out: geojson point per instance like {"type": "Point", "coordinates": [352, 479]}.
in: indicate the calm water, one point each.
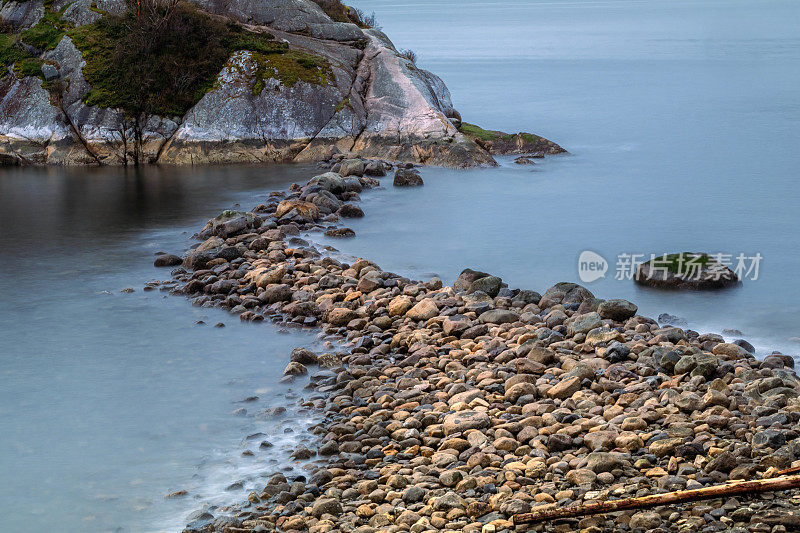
{"type": "Point", "coordinates": [682, 123]}
{"type": "Point", "coordinates": [109, 400]}
{"type": "Point", "coordinates": [682, 119]}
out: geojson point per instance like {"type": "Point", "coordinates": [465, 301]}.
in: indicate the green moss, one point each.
{"type": "Point", "coordinates": [531, 138]}
{"type": "Point", "coordinates": [289, 68]}
{"type": "Point", "coordinates": [479, 133]}
{"type": "Point", "coordinates": [172, 73]}
{"type": "Point", "coordinates": [30, 66]}
{"type": "Point", "coordinates": [96, 42]}
{"type": "Point", "coordinates": [12, 53]}
{"type": "Point", "coordinates": [10, 49]}
{"type": "Point", "coordinates": [255, 42]}
{"type": "Point", "coordinates": [344, 103]}
{"type": "Point", "coordinates": [47, 33]}
{"type": "Point", "coordinates": [679, 262]}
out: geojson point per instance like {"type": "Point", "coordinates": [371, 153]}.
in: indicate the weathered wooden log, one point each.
{"type": "Point", "coordinates": [735, 488]}
{"type": "Point", "coordinates": [793, 470]}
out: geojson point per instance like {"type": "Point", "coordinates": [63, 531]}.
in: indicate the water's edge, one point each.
{"type": "Point", "coordinates": [337, 330]}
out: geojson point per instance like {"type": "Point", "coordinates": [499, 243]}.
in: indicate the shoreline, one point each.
{"type": "Point", "coordinates": [461, 406]}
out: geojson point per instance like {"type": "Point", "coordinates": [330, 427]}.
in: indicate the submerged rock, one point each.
{"type": "Point", "coordinates": [672, 320]}
{"type": "Point", "coordinates": [406, 177]}
{"type": "Point", "coordinates": [166, 260]}
{"type": "Point", "coordinates": [340, 232]}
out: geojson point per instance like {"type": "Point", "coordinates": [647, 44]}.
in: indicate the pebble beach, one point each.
{"type": "Point", "coordinates": [454, 408]}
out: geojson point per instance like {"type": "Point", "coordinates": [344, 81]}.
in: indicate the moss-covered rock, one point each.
{"type": "Point", "coordinates": [171, 76]}
{"type": "Point", "coordinates": [501, 143]}
{"type": "Point", "coordinates": [685, 270]}
{"type": "Point", "coordinates": [290, 67]}
{"type": "Point", "coordinates": [224, 82]}
{"type": "Point", "coordinates": [47, 33]}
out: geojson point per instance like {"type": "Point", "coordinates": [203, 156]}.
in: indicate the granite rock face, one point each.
{"type": "Point", "coordinates": [82, 12]}
{"type": "Point", "coordinates": [405, 118]}
{"type": "Point", "coordinates": [22, 15]}
{"type": "Point", "coordinates": [34, 131]}
{"type": "Point", "coordinates": [371, 103]}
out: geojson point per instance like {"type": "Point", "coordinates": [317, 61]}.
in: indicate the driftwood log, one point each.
{"type": "Point", "coordinates": [735, 488]}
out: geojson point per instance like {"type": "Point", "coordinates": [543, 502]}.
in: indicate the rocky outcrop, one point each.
{"type": "Point", "coordinates": [34, 131]}
{"type": "Point", "coordinates": [363, 99]}
{"type": "Point", "coordinates": [502, 143]}
{"type": "Point", "coordinates": [405, 119]}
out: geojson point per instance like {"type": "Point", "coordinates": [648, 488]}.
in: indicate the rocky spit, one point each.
{"type": "Point", "coordinates": [455, 407]}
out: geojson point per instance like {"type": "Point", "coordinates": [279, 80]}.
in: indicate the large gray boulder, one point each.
{"type": "Point", "coordinates": [32, 129]}
{"type": "Point", "coordinates": [404, 119]}
{"type": "Point", "coordinates": [564, 293]}
{"type": "Point", "coordinates": [232, 124]}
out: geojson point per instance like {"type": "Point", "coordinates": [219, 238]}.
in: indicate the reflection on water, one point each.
{"type": "Point", "coordinates": [60, 207]}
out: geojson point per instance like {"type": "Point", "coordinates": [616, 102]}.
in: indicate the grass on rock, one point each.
{"type": "Point", "coordinates": [338, 12]}
{"type": "Point", "coordinates": [13, 53]}
{"type": "Point", "coordinates": [47, 33]}
{"type": "Point", "coordinates": [289, 68]}
{"type": "Point", "coordinates": [477, 132]}
{"type": "Point", "coordinates": [11, 50]}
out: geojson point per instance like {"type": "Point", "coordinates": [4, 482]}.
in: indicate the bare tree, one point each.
{"type": "Point", "coordinates": [411, 55]}
{"type": "Point", "coordinates": [159, 11]}
{"type": "Point", "coordinates": [131, 131]}
{"type": "Point", "coordinates": [122, 131]}
{"type": "Point", "coordinates": [139, 125]}
{"type": "Point", "coordinates": [368, 21]}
